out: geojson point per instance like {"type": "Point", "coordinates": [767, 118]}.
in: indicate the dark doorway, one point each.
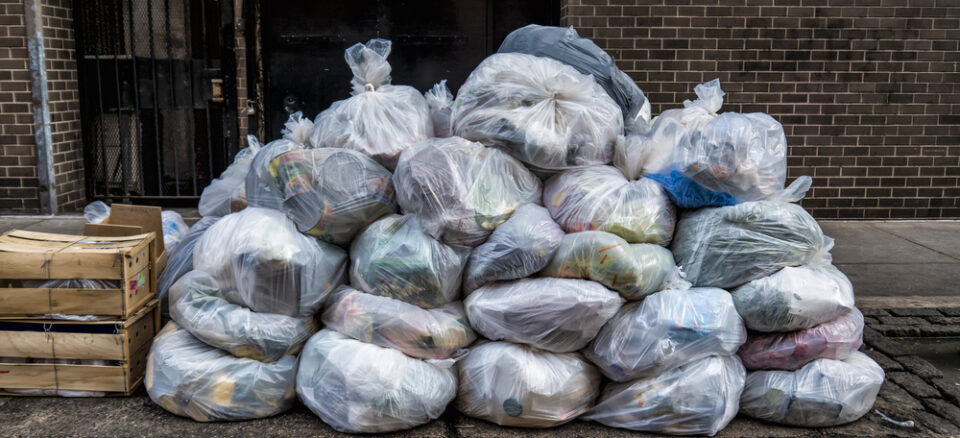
{"type": "Point", "coordinates": [158, 96]}
{"type": "Point", "coordinates": [303, 44]}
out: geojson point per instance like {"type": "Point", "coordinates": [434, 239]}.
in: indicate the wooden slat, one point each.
{"type": "Point", "coordinates": [62, 345]}
{"type": "Point", "coordinates": [150, 307]}
{"type": "Point", "coordinates": [62, 265]}
{"type": "Point", "coordinates": [111, 230]}
{"type": "Point", "coordinates": [55, 376]}
{"type": "Point", "coordinates": [21, 301]}
{"type": "Point", "coordinates": [53, 237]}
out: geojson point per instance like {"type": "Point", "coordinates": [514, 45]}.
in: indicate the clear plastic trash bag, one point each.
{"type": "Point", "coordinates": [565, 45]}
{"type": "Point", "coordinates": [651, 151]}
{"type": "Point", "coordinates": [518, 248]}
{"type": "Point", "coordinates": [824, 392]}
{"type": "Point", "coordinates": [192, 379]}
{"type": "Point", "coordinates": [440, 100]}
{"type": "Point", "coordinates": [552, 314]}
{"type": "Point", "coordinates": [228, 193]}
{"type": "Point", "coordinates": [263, 263]}
{"type": "Point", "coordinates": [836, 339]}
{"type": "Point", "coordinates": [729, 246]}
{"type": "Point", "coordinates": [180, 259]}
{"type": "Point", "coordinates": [794, 298]}
{"type": "Point", "coordinates": [600, 198]}
{"type": "Point", "coordinates": [395, 258]}
{"type": "Point", "coordinates": [462, 190]}
{"type": "Point", "coordinates": [358, 387]}
{"type": "Point", "coordinates": [379, 120]}
{"type": "Point", "coordinates": [439, 333]}
{"type": "Point", "coordinates": [699, 398]}
{"type": "Point", "coordinates": [332, 193]}
{"type": "Point", "coordinates": [96, 212]}
{"type": "Point", "coordinates": [174, 229]}
{"type": "Point", "coordinates": [198, 305]}
{"type": "Point", "coordinates": [668, 328]}
{"type": "Point", "coordinates": [541, 111]}
{"type": "Point", "coordinates": [521, 386]}
{"type": "Point", "coordinates": [635, 270]}
{"type": "Point", "coordinates": [262, 186]}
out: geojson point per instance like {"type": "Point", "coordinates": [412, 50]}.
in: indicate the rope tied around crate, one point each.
{"type": "Point", "coordinates": [45, 269]}
{"type": "Point", "coordinates": [48, 331]}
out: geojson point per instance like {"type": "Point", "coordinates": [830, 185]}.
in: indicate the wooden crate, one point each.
{"type": "Point", "coordinates": [131, 220]}
{"type": "Point", "coordinates": [26, 255]}
{"type": "Point", "coordinates": [127, 342]}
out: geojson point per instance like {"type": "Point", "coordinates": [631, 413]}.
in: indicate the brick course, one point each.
{"type": "Point", "coordinates": [868, 91]}
{"type": "Point", "coordinates": [18, 162]}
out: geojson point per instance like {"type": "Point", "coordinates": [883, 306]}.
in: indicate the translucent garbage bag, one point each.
{"type": "Point", "coordinates": [197, 304]}
{"type": "Point", "coordinates": [635, 270]}
{"type": "Point", "coordinates": [332, 193]}
{"type": "Point", "coordinates": [262, 186]}
{"type": "Point", "coordinates": [521, 386]}
{"type": "Point", "coordinates": [173, 228]}
{"type": "Point", "coordinates": [393, 257]}
{"type": "Point", "coordinates": [565, 45]}
{"type": "Point", "coordinates": [263, 263]}
{"type": "Point", "coordinates": [518, 248]}
{"type": "Point", "coordinates": [824, 392]}
{"type": "Point", "coordinates": [379, 120]}
{"type": "Point", "coordinates": [440, 100]}
{"type": "Point", "coordinates": [462, 190]}
{"type": "Point", "coordinates": [794, 298]}
{"type": "Point", "coordinates": [668, 328]}
{"type": "Point", "coordinates": [543, 112]}
{"type": "Point", "coordinates": [699, 398]}
{"type": "Point", "coordinates": [651, 151]}
{"type": "Point", "coordinates": [836, 339]}
{"type": "Point", "coordinates": [362, 388]}
{"type": "Point", "coordinates": [96, 212]}
{"type": "Point", "coordinates": [729, 246]}
{"type": "Point", "coordinates": [228, 193]}
{"type": "Point", "coordinates": [552, 314]}
{"type": "Point", "coordinates": [180, 258]}
{"type": "Point", "coordinates": [600, 198]}
{"type": "Point", "coordinates": [439, 333]}
{"type": "Point", "coordinates": [192, 379]}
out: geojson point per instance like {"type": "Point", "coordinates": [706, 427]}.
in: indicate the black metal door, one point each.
{"type": "Point", "coordinates": [158, 96]}
{"type": "Point", "coordinates": [303, 44]}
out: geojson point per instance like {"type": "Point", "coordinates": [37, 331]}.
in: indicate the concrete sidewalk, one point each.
{"type": "Point", "coordinates": [882, 259]}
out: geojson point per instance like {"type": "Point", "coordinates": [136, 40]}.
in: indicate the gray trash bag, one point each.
{"type": "Point", "coordinates": [263, 263]}
{"type": "Point", "coordinates": [440, 100]}
{"type": "Point", "coordinates": [440, 333]}
{"type": "Point", "coordinates": [521, 386]}
{"type": "Point", "coordinates": [462, 190]}
{"type": "Point", "coordinates": [600, 198]}
{"type": "Point", "coordinates": [699, 398]}
{"type": "Point", "coordinates": [394, 258]}
{"type": "Point", "coordinates": [794, 298]}
{"type": "Point", "coordinates": [180, 259]}
{"type": "Point", "coordinates": [729, 246]}
{"type": "Point", "coordinates": [518, 248]}
{"type": "Point", "coordinates": [665, 330]}
{"type": "Point", "coordinates": [228, 193]}
{"type": "Point", "coordinates": [552, 314]}
{"type": "Point", "coordinates": [635, 270]}
{"type": "Point", "coordinates": [836, 339]}
{"type": "Point", "coordinates": [192, 379]}
{"type": "Point", "coordinates": [362, 388]}
{"type": "Point", "coordinates": [565, 45]}
{"type": "Point", "coordinates": [824, 392]}
{"type": "Point", "coordinates": [198, 305]}
{"type": "Point", "coordinates": [379, 120]}
{"type": "Point", "coordinates": [543, 112]}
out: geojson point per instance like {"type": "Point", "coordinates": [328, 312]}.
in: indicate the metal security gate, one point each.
{"type": "Point", "coordinates": [158, 96]}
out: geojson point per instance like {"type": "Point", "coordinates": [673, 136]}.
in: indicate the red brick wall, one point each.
{"type": "Point", "coordinates": [18, 162]}
{"type": "Point", "coordinates": [868, 91]}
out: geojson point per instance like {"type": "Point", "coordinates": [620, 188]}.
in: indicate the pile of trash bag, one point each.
{"type": "Point", "coordinates": [379, 119]}
{"type": "Point", "coordinates": [600, 198]}
{"type": "Point", "coordinates": [462, 190]}
{"type": "Point", "coordinates": [541, 111]}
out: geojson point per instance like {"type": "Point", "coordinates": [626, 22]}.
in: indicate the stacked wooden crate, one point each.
{"type": "Point", "coordinates": [114, 327]}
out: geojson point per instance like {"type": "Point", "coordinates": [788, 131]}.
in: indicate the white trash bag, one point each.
{"type": "Point", "coordinates": [228, 194]}
{"type": "Point", "coordinates": [440, 100]}
{"type": "Point", "coordinates": [362, 388]}
{"type": "Point", "coordinates": [552, 314]}
{"type": "Point", "coordinates": [794, 298]}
